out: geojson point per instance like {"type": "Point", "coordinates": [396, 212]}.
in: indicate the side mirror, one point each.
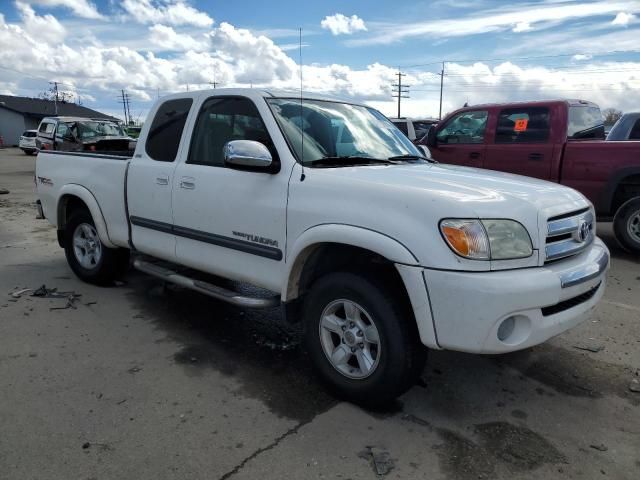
{"type": "Point", "coordinates": [432, 140]}
{"type": "Point", "coordinates": [425, 151]}
{"type": "Point", "coordinates": [247, 153]}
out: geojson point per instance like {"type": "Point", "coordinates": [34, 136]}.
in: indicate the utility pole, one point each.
{"type": "Point", "coordinates": [214, 83]}
{"type": "Point", "coordinates": [124, 107]}
{"type": "Point", "coordinates": [402, 91]}
{"type": "Point", "coordinates": [55, 98]}
{"type": "Point", "coordinates": [441, 87]}
{"type": "Point", "coordinates": [128, 108]}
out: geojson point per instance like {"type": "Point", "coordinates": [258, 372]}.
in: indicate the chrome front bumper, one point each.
{"type": "Point", "coordinates": [587, 272]}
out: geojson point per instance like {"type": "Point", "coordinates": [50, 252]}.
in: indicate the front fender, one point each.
{"type": "Point", "coordinates": [372, 240]}
{"type": "Point", "coordinates": [90, 201]}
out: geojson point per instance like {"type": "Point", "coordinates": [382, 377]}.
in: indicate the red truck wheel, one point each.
{"type": "Point", "coordinates": [626, 225]}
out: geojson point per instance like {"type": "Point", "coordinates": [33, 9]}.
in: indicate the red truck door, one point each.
{"type": "Point", "coordinates": [521, 142]}
{"type": "Point", "coordinates": [461, 140]}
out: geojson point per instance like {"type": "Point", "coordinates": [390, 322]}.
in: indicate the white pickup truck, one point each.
{"type": "Point", "coordinates": [380, 251]}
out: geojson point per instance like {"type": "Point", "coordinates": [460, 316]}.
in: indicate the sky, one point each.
{"type": "Point", "coordinates": [491, 51]}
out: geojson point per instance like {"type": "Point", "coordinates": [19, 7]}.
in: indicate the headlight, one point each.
{"type": "Point", "coordinates": [467, 238]}
{"type": "Point", "coordinates": [487, 239]}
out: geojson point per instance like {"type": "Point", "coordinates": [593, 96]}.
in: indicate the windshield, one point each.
{"type": "Point", "coordinates": [333, 129]}
{"type": "Point", "coordinates": [585, 122]}
{"type": "Point", "coordinates": [88, 130]}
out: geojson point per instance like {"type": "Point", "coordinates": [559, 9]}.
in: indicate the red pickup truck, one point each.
{"type": "Point", "coordinates": [561, 141]}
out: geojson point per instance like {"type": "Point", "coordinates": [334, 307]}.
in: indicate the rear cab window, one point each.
{"type": "Point", "coordinates": [523, 125]}
{"type": "Point", "coordinates": [47, 128]}
{"type": "Point", "coordinates": [402, 125]}
{"type": "Point", "coordinates": [585, 122]}
{"type": "Point", "coordinates": [166, 129]}
{"type": "Point", "coordinates": [635, 131]}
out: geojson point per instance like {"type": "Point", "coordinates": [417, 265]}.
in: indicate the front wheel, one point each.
{"type": "Point", "coordinates": [626, 225]}
{"type": "Point", "coordinates": [362, 338]}
{"type": "Point", "coordinates": [87, 256]}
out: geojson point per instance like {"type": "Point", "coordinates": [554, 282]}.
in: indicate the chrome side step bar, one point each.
{"type": "Point", "coordinates": [206, 288]}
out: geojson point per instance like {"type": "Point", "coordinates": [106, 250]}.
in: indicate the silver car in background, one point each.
{"type": "Point", "coordinates": [28, 141]}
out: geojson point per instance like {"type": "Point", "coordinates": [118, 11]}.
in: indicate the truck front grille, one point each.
{"type": "Point", "coordinates": [569, 234]}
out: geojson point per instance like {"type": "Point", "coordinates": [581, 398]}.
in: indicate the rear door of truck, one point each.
{"type": "Point", "coordinates": [520, 141]}
{"type": "Point", "coordinates": [150, 179]}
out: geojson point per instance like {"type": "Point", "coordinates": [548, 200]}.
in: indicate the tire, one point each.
{"type": "Point", "coordinates": [87, 256]}
{"type": "Point", "coordinates": [626, 225]}
{"type": "Point", "coordinates": [391, 367]}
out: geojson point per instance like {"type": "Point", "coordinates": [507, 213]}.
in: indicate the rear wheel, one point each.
{"type": "Point", "coordinates": [87, 256]}
{"type": "Point", "coordinates": [626, 225]}
{"type": "Point", "coordinates": [361, 338]}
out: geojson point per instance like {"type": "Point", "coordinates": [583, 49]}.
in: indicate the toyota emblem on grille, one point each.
{"type": "Point", "coordinates": [583, 232]}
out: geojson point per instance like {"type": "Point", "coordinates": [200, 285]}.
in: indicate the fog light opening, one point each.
{"type": "Point", "coordinates": [506, 328]}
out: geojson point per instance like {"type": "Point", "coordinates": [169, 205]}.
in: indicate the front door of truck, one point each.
{"type": "Point", "coordinates": [150, 180]}
{"type": "Point", "coordinates": [227, 221]}
{"type": "Point", "coordinates": [461, 140]}
{"type": "Point", "coordinates": [521, 143]}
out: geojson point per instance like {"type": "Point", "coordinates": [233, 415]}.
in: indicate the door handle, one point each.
{"type": "Point", "coordinates": [536, 157]}
{"type": "Point", "coordinates": [163, 180]}
{"type": "Point", "coordinates": [188, 183]}
{"type": "Point", "coordinates": [474, 155]}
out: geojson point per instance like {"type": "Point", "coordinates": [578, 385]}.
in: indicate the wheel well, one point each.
{"type": "Point", "coordinates": [67, 206]}
{"type": "Point", "coordinates": [628, 188]}
{"type": "Point", "coordinates": [320, 259]}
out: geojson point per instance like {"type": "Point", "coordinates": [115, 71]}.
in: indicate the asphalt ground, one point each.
{"type": "Point", "coordinates": [148, 382]}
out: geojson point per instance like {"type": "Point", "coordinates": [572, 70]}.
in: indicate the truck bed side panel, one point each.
{"type": "Point", "coordinates": [102, 175]}
{"type": "Point", "coordinates": [592, 167]}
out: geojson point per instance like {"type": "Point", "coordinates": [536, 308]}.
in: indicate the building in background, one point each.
{"type": "Point", "coordinates": [18, 114]}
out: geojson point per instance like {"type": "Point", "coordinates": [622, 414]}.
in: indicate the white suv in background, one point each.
{"type": "Point", "coordinates": [414, 128]}
{"type": "Point", "coordinates": [28, 141]}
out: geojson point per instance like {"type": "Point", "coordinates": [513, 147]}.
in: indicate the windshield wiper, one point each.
{"type": "Point", "coordinates": [347, 161]}
{"type": "Point", "coordinates": [410, 156]}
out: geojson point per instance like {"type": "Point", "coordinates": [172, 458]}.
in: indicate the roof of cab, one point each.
{"type": "Point", "coordinates": [257, 93]}
{"type": "Point", "coordinates": [79, 119]}
{"type": "Point", "coordinates": [534, 103]}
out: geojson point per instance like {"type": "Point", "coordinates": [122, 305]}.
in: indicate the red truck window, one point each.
{"type": "Point", "coordinates": [635, 131]}
{"type": "Point", "coordinates": [523, 125]}
{"type": "Point", "coordinates": [585, 121]}
{"type": "Point", "coordinates": [465, 127]}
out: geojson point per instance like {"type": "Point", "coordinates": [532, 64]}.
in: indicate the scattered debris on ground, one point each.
{"type": "Point", "coordinates": [44, 292]}
{"type": "Point", "coordinates": [19, 293]}
{"type": "Point", "coordinates": [590, 347]}
{"type": "Point", "coordinates": [600, 447]}
{"type": "Point", "coordinates": [380, 461]}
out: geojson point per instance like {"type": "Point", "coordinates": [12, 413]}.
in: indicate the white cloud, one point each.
{"type": "Point", "coordinates": [623, 19]}
{"type": "Point", "coordinates": [522, 27]}
{"type": "Point", "coordinates": [341, 24]}
{"type": "Point", "coordinates": [46, 27]}
{"type": "Point", "coordinates": [582, 56]}
{"type": "Point", "coordinates": [169, 40]}
{"type": "Point", "coordinates": [172, 12]}
{"type": "Point", "coordinates": [494, 20]}
{"type": "Point", "coordinates": [237, 57]}
{"type": "Point", "coordinates": [80, 8]}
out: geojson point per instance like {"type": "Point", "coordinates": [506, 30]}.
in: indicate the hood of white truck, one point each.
{"type": "Point", "coordinates": [407, 202]}
{"type": "Point", "coordinates": [480, 190]}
